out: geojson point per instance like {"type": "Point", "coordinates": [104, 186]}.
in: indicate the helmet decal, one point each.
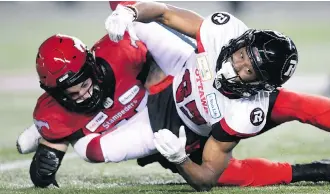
{"type": "Point", "coordinates": [77, 43]}
{"type": "Point", "coordinates": [289, 68]}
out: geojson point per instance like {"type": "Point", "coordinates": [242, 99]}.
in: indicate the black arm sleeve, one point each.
{"type": "Point", "coordinates": [44, 166]}
{"type": "Point", "coordinates": [220, 134]}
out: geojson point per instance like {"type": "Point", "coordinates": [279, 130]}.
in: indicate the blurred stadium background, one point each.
{"type": "Point", "coordinates": [24, 25]}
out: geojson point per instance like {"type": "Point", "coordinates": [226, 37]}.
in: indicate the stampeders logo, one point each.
{"type": "Point", "coordinates": [119, 114]}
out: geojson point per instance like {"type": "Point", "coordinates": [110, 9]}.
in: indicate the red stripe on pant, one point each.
{"type": "Point", "coordinates": [94, 151]}
{"type": "Point", "coordinates": [255, 172]}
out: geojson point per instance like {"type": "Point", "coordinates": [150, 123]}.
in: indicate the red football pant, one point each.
{"type": "Point", "coordinates": [289, 106]}
{"type": "Point", "coordinates": [255, 172]}
{"type": "Point", "coordinates": [306, 108]}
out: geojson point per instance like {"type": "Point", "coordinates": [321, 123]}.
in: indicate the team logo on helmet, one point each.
{"type": "Point", "coordinates": [77, 42]}
{"type": "Point", "coordinates": [289, 68]}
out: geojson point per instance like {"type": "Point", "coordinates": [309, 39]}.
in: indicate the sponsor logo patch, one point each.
{"type": "Point", "coordinates": [213, 106]}
{"type": "Point", "coordinates": [203, 66]}
{"type": "Point", "coordinates": [129, 95]}
{"type": "Point", "coordinates": [96, 121]}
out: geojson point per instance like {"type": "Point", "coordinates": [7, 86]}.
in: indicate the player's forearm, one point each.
{"type": "Point", "coordinates": [58, 146]}
{"type": "Point", "coordinates": [182, 20]}
{"type": "Point", "coordinates": [150, 11]}
{"type": "Point", "coordinates": [200, 177]}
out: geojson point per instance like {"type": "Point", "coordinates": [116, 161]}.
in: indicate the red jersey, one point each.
{"type": "Point", "coordinates": [55, 123]}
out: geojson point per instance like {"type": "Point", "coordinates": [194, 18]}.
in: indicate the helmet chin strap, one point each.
{"type": "Point", "coordinates": [228, 74]}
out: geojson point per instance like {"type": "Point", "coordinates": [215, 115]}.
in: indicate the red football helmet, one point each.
{"type": "Point", "coordinates": [64, 61]}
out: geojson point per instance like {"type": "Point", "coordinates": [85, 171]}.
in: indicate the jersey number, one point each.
{"type": "Point", "coordinates": [183, 91]}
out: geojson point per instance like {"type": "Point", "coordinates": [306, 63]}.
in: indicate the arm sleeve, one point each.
{"type": "Point", "coordinates": [169, 51]}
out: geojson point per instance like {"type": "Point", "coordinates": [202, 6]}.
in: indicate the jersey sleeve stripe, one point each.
{"type": "Point", "coordinates": [200, 46]}
{"type": "Point", "coordinates": [230, 131]}
{"type": "Point", "coordinates": [157, 88]}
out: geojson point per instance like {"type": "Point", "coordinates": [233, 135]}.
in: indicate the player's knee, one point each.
{"type": "Point", "coordinates": [113, 150]}
{"type": "Point", "coordinates": [94, 151]}
{"type": "Point", "coordinates": [89, 148]}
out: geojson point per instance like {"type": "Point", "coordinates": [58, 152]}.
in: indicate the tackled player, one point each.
{"type": "Point", "coordinates": [242, 71]}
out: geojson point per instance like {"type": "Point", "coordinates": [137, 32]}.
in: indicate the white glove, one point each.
{"type": "Point", "coordinates": [119, 21]}
{"type": "Point", "coordinates": [171, 146]}
{"type": "Point", "coordinates": [28, 141]}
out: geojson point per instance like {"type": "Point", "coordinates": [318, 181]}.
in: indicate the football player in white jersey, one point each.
{"type": "Point", "coordinates": [229, 89]}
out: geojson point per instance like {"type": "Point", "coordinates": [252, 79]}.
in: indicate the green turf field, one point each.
{"type": "Point", "coordinates": [293, 142]}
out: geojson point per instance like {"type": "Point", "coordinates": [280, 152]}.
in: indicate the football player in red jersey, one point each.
{"type": "Point", "coordinates": [87, 91]}
{"type": "Point", "coordinates": [96, 100]}
{"type": "Point", "coordinates": [231, 83]}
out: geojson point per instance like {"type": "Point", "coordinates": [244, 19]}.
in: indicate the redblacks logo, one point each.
{"type": "Point", "coordinates": [201, 91]}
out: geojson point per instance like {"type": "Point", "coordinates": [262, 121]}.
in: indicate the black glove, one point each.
{"type": "Point", "coordinates": [44, 166]}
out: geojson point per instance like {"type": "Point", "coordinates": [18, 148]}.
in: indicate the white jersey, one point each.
{"type": "Point", "coordinates": [198, 103]}
{"type": "Point", "coordinates": [237, 116]}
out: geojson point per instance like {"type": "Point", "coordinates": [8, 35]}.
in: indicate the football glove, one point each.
{"type": "Point", "coordinates": [171, 146]}
{"type": "Point", "coordinates": [44, 166]}
{"type": "Point", "coordinates": [119, 21]}
{"type": "Point", "coordinates": [28, 141]}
